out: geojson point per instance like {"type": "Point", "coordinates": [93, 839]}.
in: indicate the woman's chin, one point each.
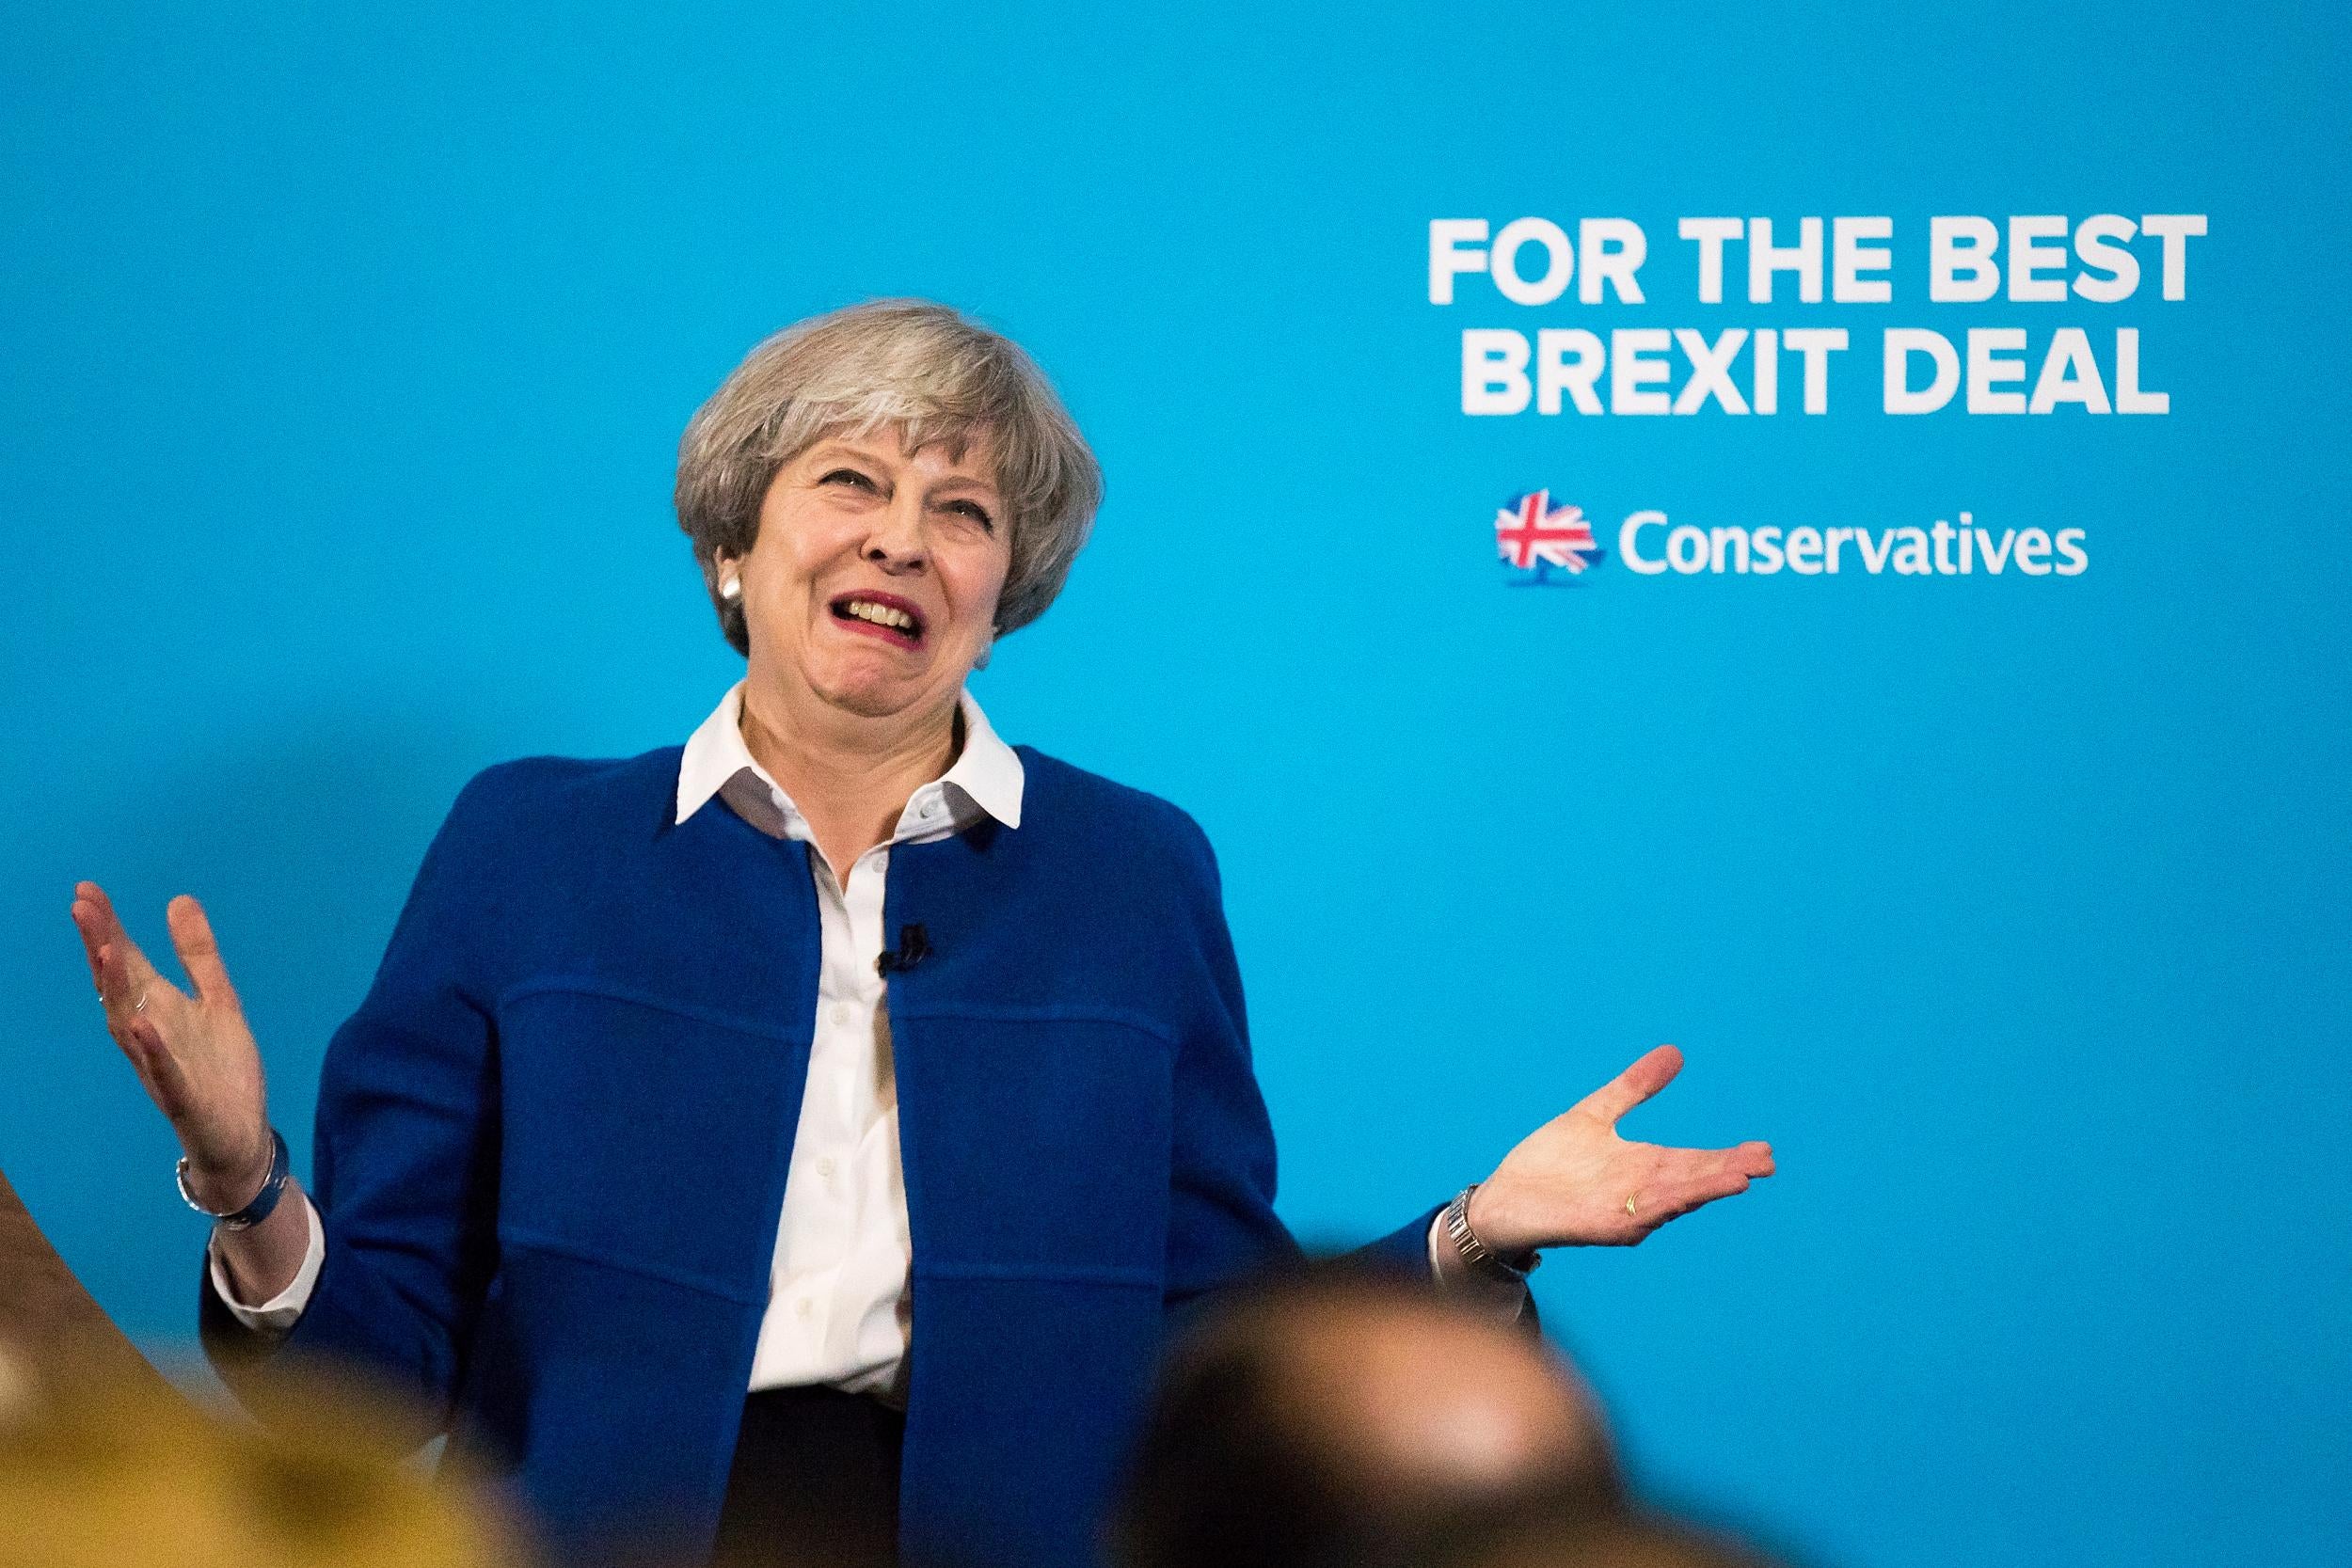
{"type": "Point", "coordinates": [872, 693]}
{"type": "Point", "coordinates": [866, 676]}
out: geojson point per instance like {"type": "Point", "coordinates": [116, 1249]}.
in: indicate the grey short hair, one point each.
{"type": "Point", "coordinates": [905, 364]}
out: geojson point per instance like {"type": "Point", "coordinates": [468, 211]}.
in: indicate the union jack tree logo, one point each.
{"type": "Point", "coordinates": [1532, 534]}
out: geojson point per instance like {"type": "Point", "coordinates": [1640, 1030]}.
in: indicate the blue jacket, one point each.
{"type": "Point", "coordinates": [552, 1144]}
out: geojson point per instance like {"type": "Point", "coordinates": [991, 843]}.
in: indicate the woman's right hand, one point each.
{"type": "Point", "coordinates": [193, 1055]}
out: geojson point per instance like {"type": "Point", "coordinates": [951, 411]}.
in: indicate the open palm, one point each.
{"type": "Point", "coordinates": [1575, 1182]}
{"type": "Point", "coordinates": [193, 1055]}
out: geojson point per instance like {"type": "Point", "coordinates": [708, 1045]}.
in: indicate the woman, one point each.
{"type": "Point", "coordinates": [846, 1056]}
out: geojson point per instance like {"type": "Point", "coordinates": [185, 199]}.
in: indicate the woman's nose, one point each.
{"type": "Point", "coordinates": [897, 543]}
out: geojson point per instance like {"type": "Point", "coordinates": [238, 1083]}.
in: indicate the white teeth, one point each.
{"type": "Point", "coordinates": [881, 615]}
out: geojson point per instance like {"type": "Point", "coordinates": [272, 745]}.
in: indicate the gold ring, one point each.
{"type": "Point", "coordinates": [1628, 1203]}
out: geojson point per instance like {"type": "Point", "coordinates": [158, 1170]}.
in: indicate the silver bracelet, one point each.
{"type": "Point", "coordinates": [1477, 1254]}
{"type": "Point", "coordinates": [253, 1213]}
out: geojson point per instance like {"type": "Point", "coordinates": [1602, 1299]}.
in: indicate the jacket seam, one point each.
{"type": "Point", "coordinates": [524, 1239]}
{"type": "Point", "coordinates": [569, 986]}
{"type": "Point", "coordinates": [1048, 1274]}
{"type": "Point", "coordinates": [1041, 1013]}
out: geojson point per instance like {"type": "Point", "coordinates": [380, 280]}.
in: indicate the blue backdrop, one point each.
{"type": "Point", "coordinates": [344, 361]}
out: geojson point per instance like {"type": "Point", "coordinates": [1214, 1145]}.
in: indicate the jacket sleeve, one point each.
{"type": "Point", "coordinates": [1221, 1221]}
{"type": "Point", "coordinates": [406, 1151]}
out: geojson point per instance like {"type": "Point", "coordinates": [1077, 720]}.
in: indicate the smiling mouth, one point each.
{"type": "Point", "coordinates": [883, 615]}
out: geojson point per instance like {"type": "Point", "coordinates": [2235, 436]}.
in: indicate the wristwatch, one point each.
{"type": "Point", "coordinates": [1506, 1269]}
{"type": "Point", "coordinates": [253, 1213]}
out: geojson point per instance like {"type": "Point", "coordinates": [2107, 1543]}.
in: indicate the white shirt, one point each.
{"type": "Point", "coordinates": [837, 1300]}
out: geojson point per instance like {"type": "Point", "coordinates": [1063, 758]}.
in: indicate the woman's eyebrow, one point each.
{"type": "Point", "coordinates": [826, 449]}
{"type": "Point", "coordinates": [965, 481]}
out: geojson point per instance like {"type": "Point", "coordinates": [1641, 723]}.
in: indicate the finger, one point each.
{"type": "Point", "coordinates": [199, 954]}
{"type": "Point", "coordinates": [143, 1048]}
{"type": "Point", "coordinates": [126, 975]}
{"type": "Point", "coordinates": [114, 984]}
{"type": "Point", "coordinates": [160, 1071]}
{"type": "Point", "coordinates": [1750, 1160]}
{"type": "Point", "coordinates": [95, 897]}
{"type": "Point", "coordinates": [1646, 1077]}
{"type": "Point", "coordinates": [109, 954]}
{"type": "Point", "coordinates": [94, 918]}
{"type": "Point", "coordinates": [117, 986]}
{"type": "Point", "coordinates": [1672, 1201]}
{"type": "Point", "coordinates": [109, 923]}
{"type": "Point", "coordinates": [85, 927]}
{"type": "Point", "coordinates": [125, 995]}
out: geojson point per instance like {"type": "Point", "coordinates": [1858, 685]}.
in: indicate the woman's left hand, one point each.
{"type": "Point", "coordinates": [1574, 1183]}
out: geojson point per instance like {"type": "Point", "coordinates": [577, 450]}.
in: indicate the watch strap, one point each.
{"type": "Point", "coordinates": [1509, 1268]}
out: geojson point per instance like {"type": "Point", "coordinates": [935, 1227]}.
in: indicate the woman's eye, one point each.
{"type": "Point", "coordinates": [848, 476]}
{"type": "Point", "coordinates": [974, 511]}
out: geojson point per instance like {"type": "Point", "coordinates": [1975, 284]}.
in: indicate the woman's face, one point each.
{"type": "Point", "coordinates": [873, 583]}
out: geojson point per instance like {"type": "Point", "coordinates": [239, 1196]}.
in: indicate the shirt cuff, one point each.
{"type": "Point", "coordinates": [278, 1313]}
{"type": "Point", "coordinates": [1503, 1299]}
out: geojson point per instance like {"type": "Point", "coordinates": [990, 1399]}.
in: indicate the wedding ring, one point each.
{"type": "Point", "coordinates": [140, 1006]}
{"type": "Point", "coordinates": [1628, 1203]}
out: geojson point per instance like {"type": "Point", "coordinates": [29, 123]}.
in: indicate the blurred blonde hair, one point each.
{"type": "Point", "coordinates": [124, 1476]}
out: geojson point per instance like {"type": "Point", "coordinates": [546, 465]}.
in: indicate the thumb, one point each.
{"type": "Point", "coordinates": [199, 954]}
{"type": "Point", "coordinates": [1649, 1073]}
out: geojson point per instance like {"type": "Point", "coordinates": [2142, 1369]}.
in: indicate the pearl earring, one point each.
{"type": "Point", "coordinates": [731, 590]}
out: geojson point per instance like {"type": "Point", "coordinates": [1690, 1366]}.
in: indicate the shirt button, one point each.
{"type": "Point", "coordinates": [803, 1308]}
{"type": "Point", "coordinates": [842, 1013]}
{"type": "Point", "coordinates": [824, 1166]}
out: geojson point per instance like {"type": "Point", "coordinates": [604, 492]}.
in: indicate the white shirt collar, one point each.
{"type": "Point", "coordinates": [986, 777]}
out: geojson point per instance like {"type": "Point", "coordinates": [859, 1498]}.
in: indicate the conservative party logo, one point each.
{"type": "Point", "coordinates": [1546, 546]}
{"type": "Point", "coordinates": [1537, 540]}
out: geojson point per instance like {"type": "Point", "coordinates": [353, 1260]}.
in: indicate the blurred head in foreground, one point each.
{"type": "Point", "coordinates": [1332, 1417]}
{"type": "Point", "coordinates": [1541, 1536]}
{"type": "Point", "coordinates": [124, 1477]}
